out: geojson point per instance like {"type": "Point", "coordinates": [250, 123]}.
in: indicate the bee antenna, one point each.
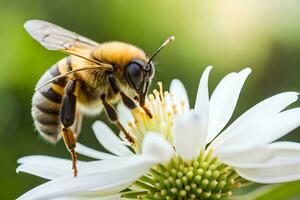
{"type": "Point", "coordinates": [68, 73]}
{"type": "Point", "coordinates": [166, 42]}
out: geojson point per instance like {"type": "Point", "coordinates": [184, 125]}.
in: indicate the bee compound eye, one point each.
{"type": "Point", "coordinates": [134, 73]}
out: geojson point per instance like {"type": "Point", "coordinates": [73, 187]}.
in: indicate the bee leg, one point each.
{"type": "Point", "coordinates": [113, 117]}
{"type": "Point", "coordinates": [67, 118]}
{"type": "Point", "coordinates": [128, 102]}
{"type": "Point", "coordinates": [70, 142]}
{"type": "Point", "coordinates": [147, 111]}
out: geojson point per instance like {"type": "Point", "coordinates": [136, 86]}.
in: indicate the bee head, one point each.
{"type": "Point", "coordinates": [139, 75]}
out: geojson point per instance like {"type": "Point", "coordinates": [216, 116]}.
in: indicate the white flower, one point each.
{"type": "Point", "coordinates": [96, 178]}
{"type": "Point", "coordinates": [208, 160]}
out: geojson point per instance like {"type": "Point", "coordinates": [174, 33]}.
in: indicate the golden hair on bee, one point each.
{"type": "Point", "coordinates": [93, 76]}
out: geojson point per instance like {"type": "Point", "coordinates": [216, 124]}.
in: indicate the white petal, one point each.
{"type": "Point", "coordinates": [284, 153]}
{"type": "Point", "coordinates": [223, 101]}
{"type": "Point", "coordinates": [262, 132]}
{"type": "Point", "coordinates": [40, 159]}
{"type": "Point", "coordinates": [46, 172]}
{"type": "Point", "coordinates": [92, 153]}
{"type": "Point", "coordinates": [109, 140]}
{"type": "Point", "coordinates": [89, 196]}
{"type": "Point", "coordinates": [154, 144]}
{"type": "Point", "coordinates": [178, 90]}
{"type": "Point", "coordinates": [125, 115]}
{"type": "Point", "coordinates": [275, 154]}
{"type": "Point", "coordinates": [202, 105]}
{"type": "Point", "coordinates": [112, 180]}
{"type": "Point", "coordinates": [285, 145]}
{"type": "Point", "coordinates": [282, 164]}
{"type": "Point", "coordinates": [276, 174]}
{"type": "Point", "coordinates": [202, 98]}
{"type": "Point", "coordinates": [256, 114]}
{"type": "Point", "coordinates": [45, 166]}
{"type": "Point", "coordinates": [101, 166]}
{"type": "Point", "coordinates": [188, 137]}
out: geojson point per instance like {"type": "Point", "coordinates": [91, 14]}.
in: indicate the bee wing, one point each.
{"type": "Point", "coordinates": [54, 37]}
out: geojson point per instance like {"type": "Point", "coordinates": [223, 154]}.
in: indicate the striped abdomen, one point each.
{"type": "Point", "coordinates": [46, 102]}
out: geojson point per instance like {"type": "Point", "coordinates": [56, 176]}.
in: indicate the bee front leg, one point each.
{"type": "Point", "coordinates": [111, 112]}
{"type": "Point", "coordinates": [113, 117]}
{"type": "Point", "coordinates": [128, 102]}
{"type": "Point", "coordinates": [67, 118]}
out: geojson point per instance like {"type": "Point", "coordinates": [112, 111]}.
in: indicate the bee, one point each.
{"type": "Point", "coordinates": [93, 76]}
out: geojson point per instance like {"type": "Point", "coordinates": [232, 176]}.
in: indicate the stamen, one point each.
{"type": "Point", "coordinates": [163, 110]}
{"type": "Point", "coordinates": [161, 90]}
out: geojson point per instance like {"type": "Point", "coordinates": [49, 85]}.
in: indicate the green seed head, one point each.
{"type": "Point", "coordinates": [202, 178]}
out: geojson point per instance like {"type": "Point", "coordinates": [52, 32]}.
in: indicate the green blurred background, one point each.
{"type": "Point", "coordinates": [230, 35]}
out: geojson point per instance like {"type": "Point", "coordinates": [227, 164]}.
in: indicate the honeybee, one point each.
{"type": "Point", "coordinates": [93, 76]}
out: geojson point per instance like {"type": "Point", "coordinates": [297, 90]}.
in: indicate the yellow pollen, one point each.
{"type": "Point", "coordinates": [130, 124]}
{"type": "Point", "coordinates": [163, 108]}
{"type": "Point", "coordinates": [174, 109]}
{"type": "Point", "coordinates": [182, 104]}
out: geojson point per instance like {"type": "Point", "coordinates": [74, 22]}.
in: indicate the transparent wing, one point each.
{"type": "Point", "coordinates": [54, 37]}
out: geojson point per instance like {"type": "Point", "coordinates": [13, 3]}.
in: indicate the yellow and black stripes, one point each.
{"type": "Point", "coordinates": [46, 117]}
{"type": "Point", "coordinates": [54, 71]}
{"type": "Point", "coordinates": [46, 102]}
{"type": "Point", "coordinates": [55, 90]}
{"type": "Point", "coordinates": [52, 95]}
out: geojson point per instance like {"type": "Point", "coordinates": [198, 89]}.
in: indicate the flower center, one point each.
{"type": "Point", "coordinates": [163, 108]}
{"type": "Point", "coordinates": [201, 178]}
